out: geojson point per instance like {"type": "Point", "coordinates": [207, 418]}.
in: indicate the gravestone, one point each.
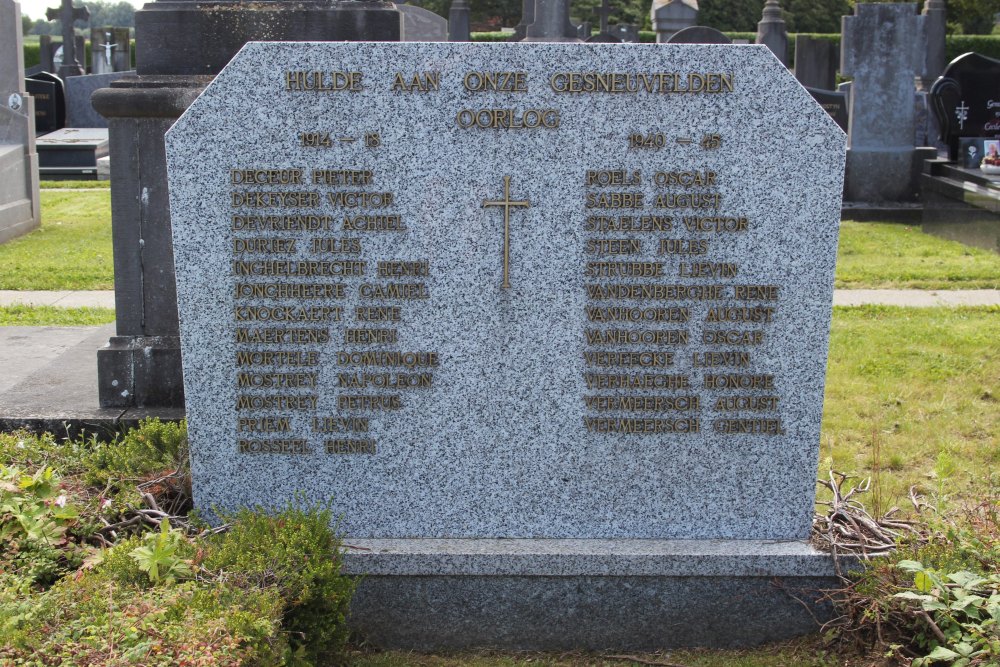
{"type": "Point", "coordinates": [965, 103]}
{"type": "Point", "coordinates": [771, 31]}
{"type": "Point", "coordinates": [422, 25]}
{"type": "Point", "coordinates": [670, 16]}
{"type": "Point", "coordinates": [527, 18]}
{"type": "Point", "coordinates": [816, 62]}
{"type": "Point", "coordinates": [459, 16]}
{"type": "Point", "coordinates": [698, 34]}
{"type": "Point", "coordinates": [110, 50]}
{"type": "Point", "coordinates": [881, 50]}
{"type": "Point", "coordinates": [603, 36]}
{"type": "Point", "coordinates": [834, 103]}
{"type": "Point", "coordinates": [72, 152]}
{"type": "Point", "coordinates": [79, 89]}
{"type": "Point", "coordinates": [180, 46]}
{"type": "Point", "coordinates": [50, 103]}
{"type": "Point", "coordinates": [551, 23]}
{"type": "Point", "coordinates": [626, 32]}
{"type": "Point", "coordinates": [548, 327]}
{"type": "Point", "coordinates": [67, 14]}
{"type": "Point", "coordinates": [935, 27]}
{"type": "Point", "coordinates": [19, 202]}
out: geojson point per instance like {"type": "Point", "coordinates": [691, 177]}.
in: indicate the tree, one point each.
{"type": "Point", "coordinates": [730, 15]}
{"type": "Point", "coordinates": [26, 24]}
{"type": "Point", "coordinates": [821, 16]}
{"type": "Point", "coordinates": [972, 17]}
{"type": "Point", "coordinates": [117, 14]}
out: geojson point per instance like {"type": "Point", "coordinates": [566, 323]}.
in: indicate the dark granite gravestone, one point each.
{"type": "Point", "coordinates": [966, 102]}
{"type": "Point", "coordinates": [816, 62]}
{"type": "Point", "coordinates": [458, 21]}
{"type": "Point", "coordinates": [79, 111]}
{"type": "Point", "coordinates": [72, 152]}
{"type": "Point", "coordinates": [834, 103]}
{"type": "Point", "coordinates": [671, 16]}
{"type": "Point", "coordinates": [180, 47]}
{"type": "Point", "coordinates": [50, 101]}
{"type": "Point", "coordinates": [551, 23]}
{"type": "Point", "coordinates": [698, 34]}
{"type": "Point", "coordinates": [67, 14]}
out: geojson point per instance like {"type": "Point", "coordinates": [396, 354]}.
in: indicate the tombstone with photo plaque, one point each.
{"type": "Point", "coordinates": [559, 372]}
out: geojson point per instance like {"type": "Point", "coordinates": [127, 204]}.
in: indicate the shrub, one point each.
{"type": "Point", "coordinates": [154, 447]}
{"type": "Point", "coordinates": [296, 552]}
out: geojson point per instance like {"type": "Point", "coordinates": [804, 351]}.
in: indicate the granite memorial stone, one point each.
{"type": "Point", "coordinates": [670, 16]}
{"type": "Point", "coordinates": [19, 201]}
{"type": "Point", "coordinates": [551, 23]}
{"type": "Point", "coordinates": [79, 89]}
{"type": "Point", "coordinates": [422, 25]}
{"type": "Point", "coordinates": [50, 105]}
{"type": "Point", "coordinates": [881, 50]}
{"type": "Point", "coordinates": [816, 62]}
{"type": "Point", "coordinates": [698, 34]}
{"type": "Point", "coordinates": [964, 101]}
{"type": "Point", "coordinates": [548, 326]}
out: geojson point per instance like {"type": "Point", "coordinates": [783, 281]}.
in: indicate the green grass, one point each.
{"type": "Point", "coordinates": [51, 316]}
{"type": "Point", "coordinates": [883, 256]}
{"type": "Point", "coordinates": [921, 384]}
{"type": "Point", "coordinates": [71, 250]}
{"type": "Point", "coordinates": [74, 185]}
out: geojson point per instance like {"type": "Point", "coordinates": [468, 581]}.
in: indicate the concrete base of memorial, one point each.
{"type": "Point", "coordinates": [554, 594]}
{"type": "Point", "coordinates": [885, 175]}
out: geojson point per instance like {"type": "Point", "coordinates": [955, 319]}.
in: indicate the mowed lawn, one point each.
{"type": "Point", "coordinates": [70, 251]}
{"type": "Point", "coordinates": [892, 256]}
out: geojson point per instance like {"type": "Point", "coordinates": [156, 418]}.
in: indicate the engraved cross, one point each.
{"type": "Point", "coordinates": [507, 204]}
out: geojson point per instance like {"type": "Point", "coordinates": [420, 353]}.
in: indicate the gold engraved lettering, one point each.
{"type": "Point", "coordinates": [637, 314]}
{"type": "Point", "coordinates": [642, 403]}
{"type": "Point", "coordinates": [339, 424]}
{"type": "Point", "coordinates": [756, 292]}
{"type": "Point", "coordinates": [497, 82]}
{"type": "Point", "coordinates": [276, 380]}
{"type": "Point", "coordinates": [290, 447]}
{"type": "Point", "coordinates": [300, 81]}
{"type": "Point", "coordinates": [657, 292]}
{"type": "Point", "coordinates": [402, 291]}
{"type": "Point", "coordinates": [282, 336]}
{"type": "Point", "coordinates": [360, 199]}
{"type": "Point", "coordinates": [661, 83]}
{"type": "Point", "coordinates": [752, 403]}
{"type": "Point", "coordinates": [689, 200]}
{"type": "Point", "coordinates": [685, 179]}
{"type": "Point", "coordinates": [736, 381]}
{"type": "Point", "coordinates": [385, 380]}
{"type": "Point", "coordinates": [348, 446]}
{"type": "Point", "coordinates": [288, 291]}
{"type": "Point", "coordinates": [379, 313]}
{"type": "Point", "coordinates": [732, 337]}
{"type": "Point", "coordinates": [626, 426]}
{"type": "Point", "coordinates": [614, 200]}
{"type": "Point", "coordinates": [613, 247]}
{"type": "Point", "coordinates": [624, 269]}
{"type": "Point", "coordinates": [636, 336]}
{"type": "Point", "coordinates": [349, 177]}
{"type": "Point", "coordinates": [263, 245]}
{"type": "Point", "coordinates": [282, 223]}
{"type": "Point", "coordinates": [370, 336]}
{"type": "Point", "coordinates": [288, 313]}
{"type": "Point", "coordinates": [618, 177]}
{"type": "Point", "coordinates": [277, 358]}
{"type": "Point", "coordinates": [370, 403]}
{"type": "Point", "coordinates": [300, 268]}
{"type": "Point", "coordinates": [749, 426]}
{"type": "Point", "coordinates": [263, 425]}
{"type": "Point", "coordinates": [374, 223]}
{"type": "Point", "coordinates": [629, 359]}
{"type": "Point", "coordinates": [643, 381]}
{"type": "Point", "coordinates": [508, 119]}
{"type": "Point", "coordinates": [276, 402]}
{"type": "Point", "coordinates": [717, 225]}
{"type": "Point", "coordinates": [708, 270]}
{"type": "Point", "coordinates": [629, 223]}
{"type": "Point", "coordinates": [683, 246]}
{"type": "Point", "coordinates": [713, 359]}
{"type": "Point", "coordinates": [421, 82]}
{"type": "Point", "coordinates": [755, 314]}
{"type": "Point", "coordinates": [275, 199]}
{"type": "Point", "coordinates": [388, 358]}
{"type": "Point", "coordinates": [399, 269]}
{"type": "Point", "coordinates": [266, 176]}
{"type": "Point", "coordinates": [348, 246]}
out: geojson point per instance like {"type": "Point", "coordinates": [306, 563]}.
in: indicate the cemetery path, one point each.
{"type": "Point", "coordinates": [841, 297]}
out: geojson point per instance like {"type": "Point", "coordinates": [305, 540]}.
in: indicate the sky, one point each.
{"type": "Point", "coordinates": [36, 8]}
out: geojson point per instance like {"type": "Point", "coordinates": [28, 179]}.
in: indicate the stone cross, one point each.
{"type": "Point", "coordinates": [68, 14]}
{"type": "Point", "coordinates": [551, 23]}
{"type": "Point", "coordinates": [604, 11]}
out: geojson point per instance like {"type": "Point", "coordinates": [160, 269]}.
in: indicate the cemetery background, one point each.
{"type": "Point", "coordinates": [960, 327]}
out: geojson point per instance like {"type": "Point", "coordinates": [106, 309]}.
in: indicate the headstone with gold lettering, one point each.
{"type": "Point", "coordinates": [574, 297]}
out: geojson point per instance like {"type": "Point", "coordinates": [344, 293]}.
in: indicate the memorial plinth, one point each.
{"type": "Point", "coordinates": [547, 325]}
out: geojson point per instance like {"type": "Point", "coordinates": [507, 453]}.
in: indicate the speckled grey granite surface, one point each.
{"type": "Point", "coordinates": [497, 447]}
